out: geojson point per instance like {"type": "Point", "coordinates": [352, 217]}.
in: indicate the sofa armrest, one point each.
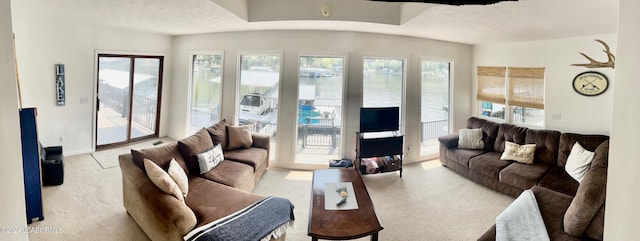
{"type": "Point", "coordinates": [160, 215]}
{"type": "Point", "coordinates": [261, 140]}
{"type": "Point", "coordinates": [450, 141]}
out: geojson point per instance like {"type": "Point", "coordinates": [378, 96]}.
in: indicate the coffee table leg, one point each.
{"type": "Point", "coordinates": [374, 236]}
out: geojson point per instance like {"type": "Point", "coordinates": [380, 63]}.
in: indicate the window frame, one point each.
{"type": "Point", "coordinates": [403, 99]}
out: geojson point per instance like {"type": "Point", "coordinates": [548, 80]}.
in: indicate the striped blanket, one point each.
{"type": "Point", "coordinates": [261, 220]}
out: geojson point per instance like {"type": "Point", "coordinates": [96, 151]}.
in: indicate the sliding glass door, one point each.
{"type": "Point", "coordinates": [128, 98]}
{"type": "Point", "coordinates": [319, 121]}
{"type": "Point", "coordinates": [434, 105]}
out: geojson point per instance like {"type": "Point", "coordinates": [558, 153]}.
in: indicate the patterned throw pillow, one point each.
{"type": "Point", "coordinates": [210, 159]}
{"type": "Point", "coordinates": [179, 176]}
{"type": "Point", "coordinates": [470, 139]}
{"type": "Point", "coordinates": [520, 153]}
{"type": "Point", "coordinates": [578, 162]}
{"type": "Point", "coordinates": [162, 180]}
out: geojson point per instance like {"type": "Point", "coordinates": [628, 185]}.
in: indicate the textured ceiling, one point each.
{"type": "Point", "coordinates": [524, 20]}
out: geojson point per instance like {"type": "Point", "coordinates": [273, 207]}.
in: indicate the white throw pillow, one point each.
{"type": "Point", "coordinates": [179, 176]}
{"type": "Point", "coordinates": [162, 180]}
{"type": "Point", "coordinates": [210, 159]}
{"type": "Point", "coordinates": [578, 162]}
{"type": "Point", "coordinates": [520, 153]}
{"type": "Point", "coordinates": [470, 139]}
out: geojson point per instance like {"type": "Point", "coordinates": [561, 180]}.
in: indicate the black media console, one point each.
{"type": "Point", "coordinates": [379, 144]}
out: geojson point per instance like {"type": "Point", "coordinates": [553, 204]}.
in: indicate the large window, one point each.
{"type": "Point", "coordinates": [206, 88]}
{"type": "Point", "coordinates": [258, 95]}
{"type": "Point", "coordinates": [515, 95]}
{"type": "Point", "coordinates": [382, 84]}
{"type": "Point", "coordinates": [320, 95]}
{"type": "Point", "coordinates": [434, 105]}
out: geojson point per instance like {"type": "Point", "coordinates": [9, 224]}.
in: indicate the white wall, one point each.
{"type": "Point", "coordinates": [578, 113]}
{"type": "Point", "coordinates": [43, 41]}
{"type": "Point", "coordinates": [293, 43]}
{"type": "Point", "coordinates": [12, 204]}
{"type": "Point", "coordinates": [622, 218]}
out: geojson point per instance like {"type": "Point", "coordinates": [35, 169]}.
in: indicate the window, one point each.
{"type": "Point", "coordinates": [206, 89]}
{"type": "Point", "coordinates": [434, 105]}
{"type": "Point", "coordinates": [519, 100]}
{"type": "Point", "coordinates": [319, 120]}
{"type": "Point", "coordinates": [258, 97]}
{"type": "Point", "coordinates": [382, 84]}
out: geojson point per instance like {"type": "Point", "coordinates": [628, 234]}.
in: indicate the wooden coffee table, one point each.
{"type": "Point", "coordinates": [341, 224]}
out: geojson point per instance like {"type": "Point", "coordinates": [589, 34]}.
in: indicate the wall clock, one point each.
{"type": "Point", "coordinates": [590, 83]}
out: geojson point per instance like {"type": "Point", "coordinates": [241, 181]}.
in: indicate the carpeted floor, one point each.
{"type": "Point", "coordinates": [430, 202]}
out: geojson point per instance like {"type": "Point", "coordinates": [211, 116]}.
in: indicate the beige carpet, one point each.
{"type": "Point", "coordinates": [430, 202]}
{"type": "Point", "coordinates": [109, 158]}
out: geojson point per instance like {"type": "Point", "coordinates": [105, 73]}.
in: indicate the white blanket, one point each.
{"type": "Point", "coordinates": [521, 220]}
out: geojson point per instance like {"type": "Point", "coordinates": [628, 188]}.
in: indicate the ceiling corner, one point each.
{"type": "Point", "coordinates": [237, 7]}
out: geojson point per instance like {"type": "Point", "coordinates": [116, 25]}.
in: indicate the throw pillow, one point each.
{"type": "Point", "coordinates": [162, 180]}
{"type": "Point", "coordinates": [578, 162]}
{"type": "Point", "coordinates": [470, 139]}
{"type": "Point", "coordinates": [177, 174]}
{"type": "Point", "coordinates": [239, 137]}
{"type": "Point", "coordinates": [218, 133]}
{"type": "Point", "coordinates": [520, 153]}
{"type": "Point", "coordinates": [193, 145]}
{"type": "Point", "coordinates": [210, 159]}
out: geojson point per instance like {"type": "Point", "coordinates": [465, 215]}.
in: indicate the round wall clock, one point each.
{"type": "Point", "coordinates": [590, 83]}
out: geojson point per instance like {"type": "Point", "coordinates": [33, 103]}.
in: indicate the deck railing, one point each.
{"type": "Point", "coordinates": [318, 132]}
{"type": "Point", "coordinates": [144, 111]}
{"type": "Point", "coordinates": [434, 129]}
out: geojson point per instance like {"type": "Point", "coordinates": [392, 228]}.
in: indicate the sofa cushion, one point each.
{"type": "Point", "coordinates": [590, 195]}
{"type": "Point", "coordinates": [462, 156]}
{"type": "Point", "coordinates": [488, 164]}
{"type": "Point", "coordinates": [547, 142]}
{"type": "Point", "coordinates": [470, 139]}
{"type": "Point", "coordinates": [230, 173]}
{"type": "Point", "coordinates": [161, 155]}
{"type": "Point", "coordinates": [162, 180]}
{"type": "Point", "coordinates": [552, 207]}
{"type": "Point", "coordinates": [489, 129]}
{"type": "Point", "coordinates": [511, 133]}
{"type": "Point", "coordinates": [578, 162]}
{"type": "Point", "coordinates": [523, 176]}
{"type": "Point", "coordinates": [557, 179]}
{"type": "Point", "coordinates": [252, 156]}
{"type": "Point", "coordinates": [193, 145]}
{"type": "Point", "coordinates": [239, 137]}
{"type": "Point", "coordinates": [210, 159]}
{"type": "Point", "coordinates": [179, 176]}
{"type": "Point", "coordinates": [519, 153]}
{"type": "Point", "coordinates": [589, 142]}
{"type": "Point", "coordinates": [211, 201]}
{"type": "Point", "coordinates": [218, 133]}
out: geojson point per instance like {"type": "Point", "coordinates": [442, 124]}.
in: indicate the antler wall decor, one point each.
{"type": "Point", "coordinates": [596, 64]}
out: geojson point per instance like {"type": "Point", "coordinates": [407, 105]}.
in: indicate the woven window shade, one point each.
{"type": "Point", "coordinates": [491, 84]}
{"type": "Point", "coordinates": [526, 87]}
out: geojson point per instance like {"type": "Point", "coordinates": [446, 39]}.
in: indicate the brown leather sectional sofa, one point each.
{"type": "Point", "coordinates": [570, 210]}
{"type": "Point", "coordinates": [213, 195]}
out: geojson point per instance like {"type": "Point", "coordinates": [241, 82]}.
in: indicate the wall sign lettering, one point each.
{"type": "Point", "coordinates": [60, 97]}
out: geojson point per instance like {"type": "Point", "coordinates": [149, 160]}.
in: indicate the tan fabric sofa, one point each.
{"type": "Point", "coordinates": [570, 210]}
{"type": "Point", "coordinates": [222, 191]}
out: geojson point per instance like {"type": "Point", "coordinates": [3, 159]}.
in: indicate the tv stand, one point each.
{"type": "Point", "coordinates": [379, 144]}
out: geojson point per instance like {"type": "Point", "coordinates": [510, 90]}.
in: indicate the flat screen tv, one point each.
{"type": "Point", "coordinates": [375, 119]}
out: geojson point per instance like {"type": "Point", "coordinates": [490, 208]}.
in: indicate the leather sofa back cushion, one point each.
{"type": "Point", "coordinates": [193, 145]}
{"type": "Point", "coordinates": [567, 140]}
{"type": "Point", "coordinates": [590, 196]}
{"type": "Point", "coordinates": [160, 155]}
{"type": "Point", "coordinates": [489, 130]}
{"type": "Point", "coordinates": [546, 141]}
